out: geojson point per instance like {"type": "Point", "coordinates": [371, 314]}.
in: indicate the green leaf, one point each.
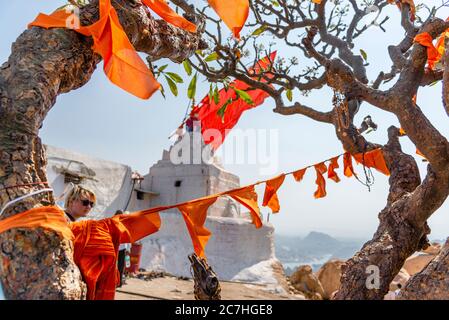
{"type": "Point", "coordinates": [200, 52]}
{"type": "Point", "coordinates": [222, 110]}
{"type": "Point", "coordinates": [162, 90]}
{"type": "Point", "coordinates": [172, 85]}
{"type": "Point", "coordinates": [275, 3]}
{"type": "Point", "coordinates": [211, 92]}
{"type": "Point", "coordinates": [212, 57]}
{"type": "Point", "coordinates": [259, 30]}
{"type": "Point", "coordinates": [175, 77]}
{"type": "Point", "coordinates": [187, 67]}
{"type": "Point", "coordinates": [216, 95]}
{"type": "Point", "coordinates": [160, 69]}
{"type": "Point", "coordinates": [244, 96]}
{"type": "Point", "coordinates": [289, 94]}
{"type": "Point", "coordinates": [364, 55]}
{"type": "Point", "coordinates": [192, 88]}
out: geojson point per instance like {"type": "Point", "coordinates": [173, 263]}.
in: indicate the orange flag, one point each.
{"type": "Point", "coordinates": [270, 197]}
{"type": "Point", "coordinates": [195, 214]}
{"type": "Point", "coordinates": [320, 169]}
{"type": "Point", "coordinates": [425, 39]}
{"type": "Point", "coordinates": [164, 11]}
{"type": "Point", "coordinates": [247, 196]}
{"type": "Point", "coordinates": [233, 13]}
{"type": "Point", "coordinates": [348, 169]}
{"type": "Point", "coordinates": [331, 174]}
{"type": "Point", "coordinates": [373, 159]}
{"type": "Point", "coordinates": [122, 64]}
{"type": "Point", "coordinates": [298, 175]}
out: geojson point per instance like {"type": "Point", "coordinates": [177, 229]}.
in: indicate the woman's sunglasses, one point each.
{"type": "Point", "coordinates": [87, 202]}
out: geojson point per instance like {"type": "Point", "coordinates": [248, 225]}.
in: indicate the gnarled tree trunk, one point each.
{"type": "Point", "coordinates": [37, 263]}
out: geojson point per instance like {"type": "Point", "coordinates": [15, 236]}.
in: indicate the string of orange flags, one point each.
{"type": "Point", "coordinates": [194, 211]}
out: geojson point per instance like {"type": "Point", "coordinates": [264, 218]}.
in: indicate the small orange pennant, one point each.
{"type": "Point", "coordinates": [298, 175]}
{"type": "Point", "coordinates": [425, 39]}
{"type": "Point", "coordinates": [320, 169]}
{"type": "Point", "coordinates": [195, 214]}
{"type": "Point", "coordinates": [248, 197]}
{"type": "Point", "coordinates": [270, 197]}
{"type": "Point", "coordinates": [331, 174]}
{"type": "Point", "coordinates": [348, 169]}
{"type": "Point", "coordinates": [373, 159]}
{"type": "Point", "coordinates": [233, 13]}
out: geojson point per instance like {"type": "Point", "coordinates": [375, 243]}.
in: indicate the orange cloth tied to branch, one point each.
{"type": "Point", "coordinates": [270, 197]}
{"type": "Point", "coordinates": [373, 159]}
{"type": "Point", "coordinates": [331, 174]}
{"type": "Point", "coordinates": [195, 214]}
{"type": "Point", "coordinates": [122, 65]}
{"type": "Point", "coordinates": [247, 196]}
{"type": "Point", "coordinates": [425, 39]}
{"type": "Point", "coordinates": [233, 13]}
{"type": "Point", "coordinates": [320, 169]}
{"type": "Point", "coordinates": [48, 217]}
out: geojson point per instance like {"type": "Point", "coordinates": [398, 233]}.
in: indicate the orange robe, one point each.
{"type": "Point", "coordinates": [96, 246]}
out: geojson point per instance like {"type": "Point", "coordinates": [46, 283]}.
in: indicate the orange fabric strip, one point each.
{"type": "Point", "coordinates": [373, 159]}
{"type": "Point", "coordinates": [348, 169]}
{"type": "Point", "coordinates": [320, 169]}
{"type": "Point", "coordinates": [270, 197]}
{"type": "Point", "coordinates": [48, 217]}
{"type": "Point", "coordinates": [164, 11]}
{"type": "Point", "coordinates": [331, 174]}
{"type": "Point", "coordinates": [233, 13]}
{"type": "Point", "coordinates": [411, 3]}
{"type": "Point", "coordinates": [425, 39]}
{"type": "Point", "coordinates": [122, 65]}
{"type": "Point", "coordinates": [248, 197]}
{"type": "Point", "coordinates": [195, 214]}
{"type": "Point", "coordinates": [298, 175]}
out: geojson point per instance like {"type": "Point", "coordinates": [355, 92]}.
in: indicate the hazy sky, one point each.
{"type": "Point", "coordinates": [103, 121]}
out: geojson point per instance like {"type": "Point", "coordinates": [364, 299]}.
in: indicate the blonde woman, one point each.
{"type": "Point", "coordinates": [78, 203]}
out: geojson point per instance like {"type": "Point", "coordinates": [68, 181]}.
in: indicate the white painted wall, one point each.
{"type": "Point", "coordinates": [235, 244]}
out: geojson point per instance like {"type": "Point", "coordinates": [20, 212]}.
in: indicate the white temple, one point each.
{"type": "Point", "coordinates": [236, 249]}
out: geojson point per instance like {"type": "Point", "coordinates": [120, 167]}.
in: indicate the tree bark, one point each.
{"type": "Point", "coordinates": [432, 283]}
{"type": "Point", "coordinates": [37, 263]}
{"type": "Point", "coordinates": [400, 233]}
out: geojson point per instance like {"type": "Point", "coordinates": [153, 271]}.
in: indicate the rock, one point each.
{"type": "Point", "coordinates": [391, 295]}
{"type": "Point", "coordinates": [416, 263]}
{"type": "Point", "coordinates": [401, 279]}
{"type": "Point", "coordinates": [329, 276]}
{"type": "Point", "coordinates": [433, 249]}
{"type": "Point", "coordinates": [305, 281]}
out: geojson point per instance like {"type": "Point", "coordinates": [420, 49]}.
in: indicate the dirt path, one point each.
{"type": "Point", "coordinates": [172, 288]}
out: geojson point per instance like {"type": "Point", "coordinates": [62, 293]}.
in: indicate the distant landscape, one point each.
{"type": "Point", "coordinates": [315, 249]}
